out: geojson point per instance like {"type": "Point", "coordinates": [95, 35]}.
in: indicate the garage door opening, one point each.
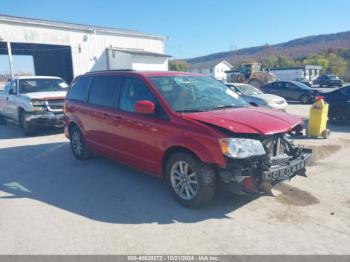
{"type": "Point", "coordinates": [47, 60]}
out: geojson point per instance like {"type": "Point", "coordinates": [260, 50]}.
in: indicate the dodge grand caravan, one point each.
{"type": "Point", "coordinates": [189, 129]}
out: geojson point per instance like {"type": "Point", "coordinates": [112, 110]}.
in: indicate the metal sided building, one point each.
{"type": "Point", "coordinates": [307, 72]}
{"type": "Point", "coordinates": [67, 50]}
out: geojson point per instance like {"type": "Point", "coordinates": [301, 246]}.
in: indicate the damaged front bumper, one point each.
{"type": "Point", "coordinates": [252, 175]}
{"type": "Point", "coordinates": [279, 173]}
{"type": "Point", "coordinates": [45, 119]}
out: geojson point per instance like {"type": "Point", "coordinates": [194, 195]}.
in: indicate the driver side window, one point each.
{"type": "Point", "coordinates": [276, 85]}
{"type": "Point", "coordinates": [13, 88]}
{"type": "Point", "coordinates": [7, 88]}
{"type": "Point", "coordinates": [134, 90]}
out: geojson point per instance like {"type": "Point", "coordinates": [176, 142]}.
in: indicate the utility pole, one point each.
{"type": "Point", "coordinates": [9, 52]}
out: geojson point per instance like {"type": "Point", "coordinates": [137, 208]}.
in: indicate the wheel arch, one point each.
{"type": "Point", "coordinates": [180, 149]}
{"type": "Point", "coordinates": [71, 125]}
{"type": "Point", "coordinates": [73, 121]}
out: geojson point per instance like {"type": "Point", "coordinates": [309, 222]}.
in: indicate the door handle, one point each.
{"type": "Point", "coordinates": [118, 118]}
{"type": "Point", "coordinates": [107, 116]}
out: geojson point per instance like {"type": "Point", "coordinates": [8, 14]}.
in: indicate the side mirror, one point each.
{"type": "Point", "coordinates": [253, 104]}
{"type": "Point", "coordinates": [145, 107]}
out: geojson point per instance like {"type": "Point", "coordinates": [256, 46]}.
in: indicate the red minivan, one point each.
{"type": "Point", "coordinates": [189, 129]}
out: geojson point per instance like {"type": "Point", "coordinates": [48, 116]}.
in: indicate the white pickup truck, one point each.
{"type": "Point", "coordinates": [33, 101]}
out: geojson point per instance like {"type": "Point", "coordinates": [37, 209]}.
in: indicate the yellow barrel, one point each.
{"type": "Point", "coordinates": [318, 119]}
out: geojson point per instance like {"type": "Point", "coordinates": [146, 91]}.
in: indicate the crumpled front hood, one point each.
{"type": "Point", "coordinates": [46, 95]}
{"type": "Point", "coordinates": [251, 120]}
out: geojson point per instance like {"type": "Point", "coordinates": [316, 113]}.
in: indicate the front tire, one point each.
{"type": "Point", "coordinates": [77, 143]}
{"type": "Point", "coordinates": [26, 127]}
{"type": "Point", "coordinates": [192, 183]}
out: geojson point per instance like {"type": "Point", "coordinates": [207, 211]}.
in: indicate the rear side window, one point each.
{"type": "Point", "coordinates": [290, 86]}
{"type": "Point", "coordinates": [103, 90]}
{"type": "Point", "coordinates": [278, 85]}
{"type": "Point", "coordinates": [79, 90]}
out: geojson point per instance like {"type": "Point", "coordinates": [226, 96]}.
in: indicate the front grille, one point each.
{"type": "Point", "coordinates": [278, 149]}
{"type": "Point", "coordinates": [55, 105]}
{"type": "Point", "coordinates": [274, 145]}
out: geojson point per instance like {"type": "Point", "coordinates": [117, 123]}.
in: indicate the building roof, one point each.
{"type": "Point", "coordinates": [73, 26]}
{"type": "Point", "coordinates": [208, 64]}
{"type": "Point", "coordinates": [36, 77]}
{"type": "Point", "coordinates": [139, 52]}
{"type": "Point", "coordinates": [143, 73]}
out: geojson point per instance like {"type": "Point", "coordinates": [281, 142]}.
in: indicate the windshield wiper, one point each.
{"type": "Point", "coordinates": [223, 107]}
{"type": "Point", "coordinates": [189, 111]}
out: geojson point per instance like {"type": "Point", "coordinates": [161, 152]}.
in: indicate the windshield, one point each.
{"type": "Point", "coordinates": [248, 90]}
{"type": "Point", "coordinates": [41, 85]}
{"type": "Point", "coordinates": [333, 77]}
{"type": "Point", "coordinates": [196, 93]}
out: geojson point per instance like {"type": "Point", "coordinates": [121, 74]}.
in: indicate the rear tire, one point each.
{"type": "Point", "coordinates": [77, 143]}
{"type": "Point", "coordinates": [192, 183]}
{"type": "Point", "coordinates": [26, 127]}
{"type": "Point", "coordinates": [305, 99]}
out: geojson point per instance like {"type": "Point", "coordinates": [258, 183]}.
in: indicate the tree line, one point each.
{"type": "Point", "coordinates": [332, 61]}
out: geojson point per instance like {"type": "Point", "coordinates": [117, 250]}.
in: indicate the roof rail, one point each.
{"type": "Point", "coordinates": [110, 70]}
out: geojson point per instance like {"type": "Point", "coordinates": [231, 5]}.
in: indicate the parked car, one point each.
{"type": "Point", "coordinates": [256, 97]}
{"type": "Point", "coordinates": [291, 90]}
{"type": "Point", "coordinates": [33, 101]}
{"type": "Point", "coordinates": [328, 80]}
{"type": "Point", "coordinates": [304, 81]}
{"type": "Point", "coordinates": [339, 105]}
{"type": "Point", "coordinates": [189, 129]}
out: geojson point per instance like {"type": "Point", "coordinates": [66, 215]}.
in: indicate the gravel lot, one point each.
{"type": "Point", "coordinates": [53, 204]}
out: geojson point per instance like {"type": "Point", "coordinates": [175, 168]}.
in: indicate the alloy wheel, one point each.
{"type": "Point", "coordinates": [184, 180]}
{"type": "Point", "coordinates": [77, 142]}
